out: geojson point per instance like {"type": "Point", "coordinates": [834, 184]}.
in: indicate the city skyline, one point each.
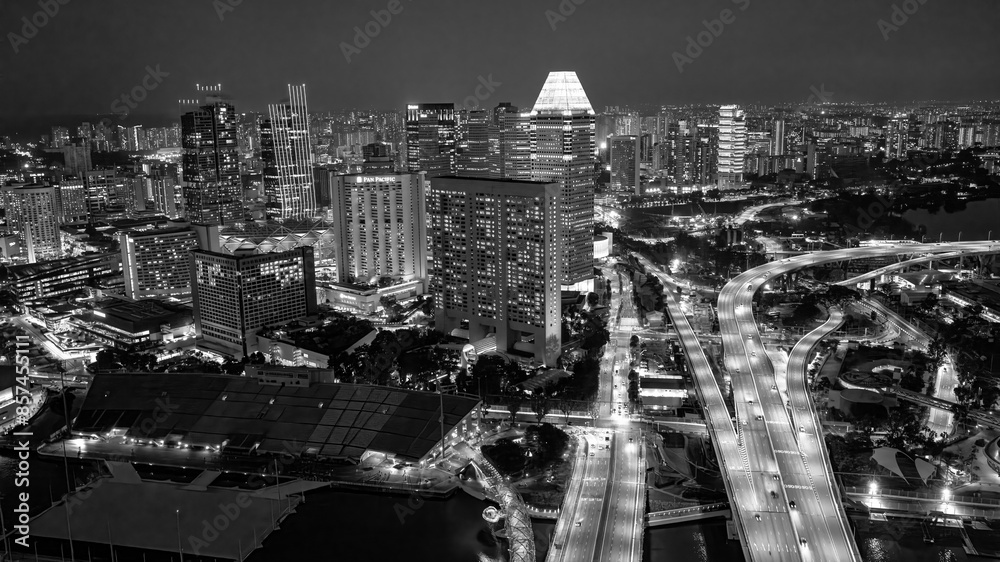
{"type": "Point", "coordinates": [774, 53]}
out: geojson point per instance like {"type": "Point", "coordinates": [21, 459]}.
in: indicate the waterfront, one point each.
{"type": "Point", "coordinates": [974, 221]}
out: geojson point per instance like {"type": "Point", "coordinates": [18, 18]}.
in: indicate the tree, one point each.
{"type": "Point", "coordinates": [514, 406]}
{"type": "Point", "coordinates": [593, 300]}
{"type": "Point", "coordinates": [393, 310]}
{"type": "Point", "coordinates": [541, 404]}
{"type": "Point", "coordinates": [929, 303]}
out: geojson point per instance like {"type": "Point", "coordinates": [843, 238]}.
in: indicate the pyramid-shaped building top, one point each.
{"type": "Point", "coordinates": [562, 92]}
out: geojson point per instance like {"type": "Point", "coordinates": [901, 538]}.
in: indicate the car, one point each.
{"type": "Point", "coordinates": [616, 386]}
{"type": "Point", "coordinates": [774, 387]}
{"type": "Point", "coordinates": [776, 477]}
{"type": "Point", "coordinates": [760, 418]}
{"type": "Point", "coordinates": [579, 523]}
{"type": "Point", "coordinates": [802, 541]}
{"type": "Point", "coordinates": [749, 288]}
{"type": "Point", "coordinates": [757, 517]}
{"type": "Point", "coordinates": [750, 402]}
{"type": "Point", "coordinates": [753, 354]}
{"type": "Point", "coordinates": [630, 439]}
{"type": "Point", "coordinates": [791, 504]}
{"type": "Point", "coordinates": [750, 336]}
{"type": "Point", "coordinates": [593, 454]}
{"type": "Point", "coordinates": [802, 429]}
{"type": "Point", "coordinates": [737, 369]}
{"type": "Point", "coordinates": [774, 494]}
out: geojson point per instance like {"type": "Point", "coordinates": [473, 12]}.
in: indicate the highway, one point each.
{"type": "Point", "coordinates": [817, 517]}
{"type": "Point", "coordinates": [772, 537]}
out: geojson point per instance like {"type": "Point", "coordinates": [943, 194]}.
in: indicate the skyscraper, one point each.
{"type": "Point", "coordinates": [157, 263]}
{"type": "Point", "coordinates": [563, 151]}
{"type": "Point", "coordinates": [381, 226]}
{"type": "Point", "coordinates": [473, 159]}
{"type": "Point", "coordinates": [286, 152]}
{"type": "Point", "coordinates": [510, 143]}
{"type": "Point", "coordinates": [497, 262]}
{"type": "Point", "coordinates": [732, 145]}
{"type": "Point", "coordinates": [213, 192]}
{"type": "Point", "coordinates": [72, 200]}
{"type": "Point", "coordinates": [430, 139]}
{"type": "Point", "coordinates": [625, 164]}
{"type": "Point", "coordinates": [236, 295]}
{"type": "Point", "coordinates": [32, 213]}
{"type": "Point", "coordinates": [778, 138]}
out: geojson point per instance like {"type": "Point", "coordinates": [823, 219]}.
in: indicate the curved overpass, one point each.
{"type": "Point", "coordinates": [817, 517]}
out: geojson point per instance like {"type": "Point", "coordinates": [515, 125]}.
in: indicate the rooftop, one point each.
{"type": "Point", "coordinates": [561, 92]}
{"type": "Point", "coordinates": [325, 419]}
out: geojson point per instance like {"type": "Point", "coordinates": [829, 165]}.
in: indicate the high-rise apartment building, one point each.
{"type": "Point", "coordinates": [60, 137]}
{"type": "Point", "coordinates": [732, 145]}
{"type": "Point", "coordinates": [563, 151]}
{"type": "Point", "coordinates": [103, 191]}
{"type": "Point", "coordinates": [497, 262]}
{"type": "Point", "coordinates": [72, 200]}
{"type": "Point", "coordinates": [76, 158]}
{"type": "Point", "coordinates": [32, 213]}
{"type": "Point", "coordinates": [213, 192]}
{"type": "Point", "coordinates": [380, 225]}
{"type": "Point", "coordinates": [235, 295]}
{"type": "Point", "coordinates": [625, 164]}
{"type": "Point", "coordinates": [157, 263]}
{"type": "Point", "coordinates": [430, 138]}
{"type": "Point", "coordinates": [286, 152]}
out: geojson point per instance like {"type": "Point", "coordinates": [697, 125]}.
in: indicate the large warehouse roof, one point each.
{"type": "Point", "coordinates": [330, 420]}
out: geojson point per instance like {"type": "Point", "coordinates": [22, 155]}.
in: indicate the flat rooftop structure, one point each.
{"type": "Point", "coordinates": [155, 516]}
{"type": "Point", "coordinates": [336, 421]}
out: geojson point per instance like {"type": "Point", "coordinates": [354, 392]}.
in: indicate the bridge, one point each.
{"type": "Point", "coordinates": [919, 502]}
{"type": "Point", "coordinates": [684, 514]}
{"type": "Point", "coordinates": [517, 521]}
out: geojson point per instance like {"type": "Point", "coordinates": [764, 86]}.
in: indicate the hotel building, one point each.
{"type": "Point", "coordinates": [496, 262]}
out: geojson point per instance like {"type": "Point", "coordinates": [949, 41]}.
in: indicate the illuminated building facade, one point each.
{"type": "Point", "coordinates": [32, 214]}
{"type": "Point", "coordinates": [732, 145]}
{"type": "Point", "coordinates": [287, 156]}
{"type": "Point", "coordinates": [157, 263]}
{"type": "Point", "coordinates": [430, 139]}
{"type": "Point", "coordinates": [563, 151]}
{"type": "Point", "coordinates": [496, 262]}
{"type": "Point", "coordinates": [381, 227]}
{"type": "Point", "coordinates": [236, 295]}
{"type": "Point", "coordinates": [213, 193]}
{"type": "Point", "coordinates": [625, 164]}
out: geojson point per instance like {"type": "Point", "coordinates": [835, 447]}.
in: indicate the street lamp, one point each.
{"type": "Point", "coordinates": [180, 549]}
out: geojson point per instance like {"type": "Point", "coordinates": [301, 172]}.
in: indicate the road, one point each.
{"type": "Point", "coordinates": [772, 537]}
{"type": "Point", "coordinates": [606, 495]}
{"type": "Point", "coordinates": [816, 518]}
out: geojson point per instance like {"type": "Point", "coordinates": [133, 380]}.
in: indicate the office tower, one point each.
{"type": "Point", "coordinates": [732, 145]}
{"type": "Point", "coordinates": [60, 137]}
{"type": "Point", "coordinates": [235, 295]}
{"type": "Point", "coordinates": [778, 136]}
{"type": "Point", "coordinates": [287, 156]}
{"type": "Point", "coordinates": [430, 138]}
{"type": "Point", "coordinates": [72, 201]}
{"type": "Point", "coordinates": [510, 143]}
{"type": "Point", "coordinates": [377, 159]}
{"type": "Point", "coordinates": [380, 226]}
{"type": "Point", "coordinates": [563, 151]}
{"type": "Point", "coordinates": [497, 261]}
{"type": "Point", "coordinates": [473, 157]}
{"type": "Point", "coordinates": [33, 215]}
{"type": "Point", "coordinates": [157, 263]}
{"type": "Point", "coordinates": [213, 193]}
{"type": "Point", "coordinates": [135, 138]}
{"type": "Point", "coordinates": [625, 164]}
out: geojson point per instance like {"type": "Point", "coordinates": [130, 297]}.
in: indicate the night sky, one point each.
{"type": "Point", "coordinates": [91, 52]}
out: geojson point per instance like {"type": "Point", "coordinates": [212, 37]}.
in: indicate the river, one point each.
{"type": "Point", "coordinates": [974, 221]}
